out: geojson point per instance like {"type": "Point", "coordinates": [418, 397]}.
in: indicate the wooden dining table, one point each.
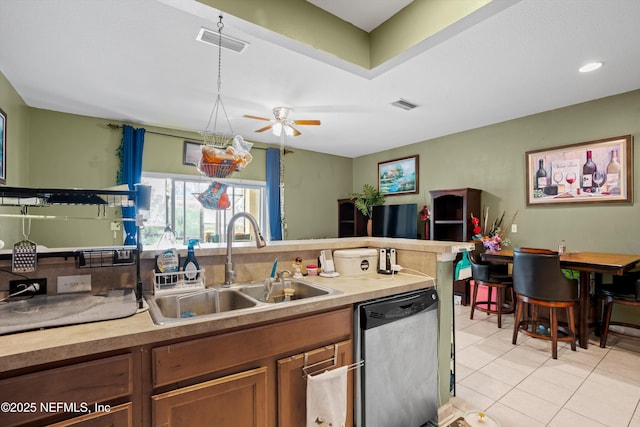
{"type": "Point", "coordinates": [587, 263]}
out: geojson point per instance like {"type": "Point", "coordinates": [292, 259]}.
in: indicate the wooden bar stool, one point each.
{"type": "Point", "coordinates": [493, 276]}
{"type": "Point", "coordinates": [625, 290]}
{"type": "Point", "coordinates": [538, 281]}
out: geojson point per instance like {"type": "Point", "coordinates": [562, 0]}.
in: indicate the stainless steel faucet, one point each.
{"type": "Point", "coordinates": [229, 273]}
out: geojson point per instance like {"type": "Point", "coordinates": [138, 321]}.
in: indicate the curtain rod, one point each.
{"type": "Point", "coordinates": [114, 126]}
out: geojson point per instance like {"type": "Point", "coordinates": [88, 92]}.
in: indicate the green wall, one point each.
{"type": "Point", "coordinates": [52, 149]}
{"type": "Point", "coordinates": [59, 150]}
{"type": "Point", "coordinates": [17, 171]}
{"type": "Point", "coordinates": [492, 158]}
{"type": "Point", "coordinates": [304, 22]}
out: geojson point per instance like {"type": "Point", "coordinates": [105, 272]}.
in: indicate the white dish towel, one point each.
{"type": "Point", "coordinates": [327, 398]}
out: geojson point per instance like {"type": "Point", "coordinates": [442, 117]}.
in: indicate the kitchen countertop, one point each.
{"type": "Point", "coordinates": [31, 348]}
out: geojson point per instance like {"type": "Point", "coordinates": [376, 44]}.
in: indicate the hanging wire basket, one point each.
{"type": "Point", "coordinates": [215, 170]}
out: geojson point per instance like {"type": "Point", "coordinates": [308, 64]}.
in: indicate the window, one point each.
{"type": "Point", "coordinates": [174, 202]}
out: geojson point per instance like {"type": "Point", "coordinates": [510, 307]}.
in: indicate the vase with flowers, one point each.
{"type": "Point", "coordinates": [494, 236]}
{"type": "Point", "coordinates": [424, 217]}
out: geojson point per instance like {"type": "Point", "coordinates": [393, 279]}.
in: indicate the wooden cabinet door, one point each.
{"type": "Point", "coordinates": [90, 382]}
{"type": "Point", "coordinates": [231, 401]}
{"type": "Point", "coordinates": [292, 386]}
{"type": "Point", "coordinates": [118, 416]}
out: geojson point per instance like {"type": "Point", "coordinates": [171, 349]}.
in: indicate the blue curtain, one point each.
{"type": "Point", "coordinates": [132, 147]}
{"type": "Point", "coordinates": [273, 193]}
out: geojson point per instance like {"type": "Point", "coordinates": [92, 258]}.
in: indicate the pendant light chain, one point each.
{"type": "Point", "coordinates": [283, 222]}
{"type": "Point", "coordinates": [220, 27]}
{"type": "Point", "coordinates": [212, 136]}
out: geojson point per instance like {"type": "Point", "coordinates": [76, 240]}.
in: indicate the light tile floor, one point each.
{"type": "Point", "coordinates": [521, 385]}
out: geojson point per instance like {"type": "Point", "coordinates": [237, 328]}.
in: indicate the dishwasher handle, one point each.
{"type": "Point", "coordinates": [386, 311]}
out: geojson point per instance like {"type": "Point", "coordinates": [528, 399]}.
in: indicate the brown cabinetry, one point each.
{"type": "Point", "coordinates": [91, 390]}
{"type": "Point", "coordinates": [451, 213]}
{"type": "Point", "coordinates": [243, 377]}
{"type": "Point", "coordinates": [234, 400]}
{"type": "Point", "coordinates": [292, 409]}
{"type": "Point", "coordinates": [351, 222]}
{"type": "Point", "coordinates": [118, 416]}
{"type": "Point", "coordinates": [235, 378]}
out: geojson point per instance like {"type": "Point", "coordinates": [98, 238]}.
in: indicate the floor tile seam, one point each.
{"type": "Point", "coordinates": [473, 369]}
{"type": "Point", "coordinates": [494, 379]}
{"type": "Point", "coordinates": [554, 385]}
{"type": "Point", "coordinates": [466, 402]}
{"type": "Point", "coordinates": [515, 410]}
{"type": "Point", "coordinates": [635, 411]}
{"type": "Point", "coordinates": [576, 413]}
{"type": "Point", "coordinates": [608, 351]}
{"type": "Point", "coordinates": [534, 396]}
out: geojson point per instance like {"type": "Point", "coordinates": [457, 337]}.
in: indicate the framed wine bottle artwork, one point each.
{"type": "Point", "coordinates": [587, 172]}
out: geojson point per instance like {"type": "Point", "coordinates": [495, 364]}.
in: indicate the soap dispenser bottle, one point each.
{"type": "Point", "coordinates": [191, 266]}
{"type": "Point", "coordinates": [167, 260]}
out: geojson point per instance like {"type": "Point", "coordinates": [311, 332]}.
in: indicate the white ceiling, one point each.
{"type": "Point", "coordinates": [137, 61]}
{"type": "Point", "coordinates": [364, 14]}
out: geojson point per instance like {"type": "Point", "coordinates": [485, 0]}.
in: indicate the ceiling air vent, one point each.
{"type": "Point", "coordinates": [212, 37]}
{"type": "Point", "coordinates": [404, 104]}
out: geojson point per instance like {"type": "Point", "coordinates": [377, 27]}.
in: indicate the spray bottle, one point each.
{"type": "Point", "coordinates": [191, 266]}
{"type": "Point", "coordinates": [167, 260]}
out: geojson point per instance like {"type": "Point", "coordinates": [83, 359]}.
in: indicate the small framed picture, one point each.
{"type": "Point", "coordinates": [398, 176]}
{"type": "Point", "coordinates": [192, 153]}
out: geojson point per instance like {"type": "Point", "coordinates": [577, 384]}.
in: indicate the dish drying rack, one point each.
{"type": "Point", "coordinates": [167, 283]}
{"type": "Point", "coordinates": [107, 257]}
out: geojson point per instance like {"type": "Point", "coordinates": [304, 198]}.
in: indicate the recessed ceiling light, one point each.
{"type": "Point", "coordinates": [591, 66]}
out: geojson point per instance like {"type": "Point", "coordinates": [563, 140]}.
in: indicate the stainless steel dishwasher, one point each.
{"type": "Point", "coordinates": [397, 337]}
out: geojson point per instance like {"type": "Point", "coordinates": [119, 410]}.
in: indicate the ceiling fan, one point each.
{"type": "Point", "coordinates": [281, 122]}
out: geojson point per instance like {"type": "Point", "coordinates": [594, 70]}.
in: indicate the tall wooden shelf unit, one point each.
{"type": "Point", "coordinates": [451, 213]}
{"type": "Point", "coordinates": [351, 222]}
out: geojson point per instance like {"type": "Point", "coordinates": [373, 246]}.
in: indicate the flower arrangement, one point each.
{"type": "Point", "coordinates": [493, 237]}
{"type": "Point", "coordinates": [423, 222]}
{"type": "Point", "coordinates": [424, 214]}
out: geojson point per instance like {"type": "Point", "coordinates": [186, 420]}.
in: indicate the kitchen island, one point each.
{"type": "Point", "coordinates": [137, 351]}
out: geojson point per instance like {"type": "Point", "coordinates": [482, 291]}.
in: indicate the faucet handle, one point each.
{"type": "Point", "coordinates": [280, 274]}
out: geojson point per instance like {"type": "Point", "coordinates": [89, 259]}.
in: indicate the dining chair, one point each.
{"type": "Point", "coordinates": [624, 290]}
{"type": "Point", "coordinates": [493, 276]}
{"type": "Point", "coordinates": [539, 282]}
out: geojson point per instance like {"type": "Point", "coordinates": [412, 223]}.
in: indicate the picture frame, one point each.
{"type": "Point", "coordinates": [599, 171]}
{"type": "Point", "coordinates": [398, 176]}
{"type": "Point", "coordinates": [192, 153]}
{"type": "Point", "coordinates": [3, 146]}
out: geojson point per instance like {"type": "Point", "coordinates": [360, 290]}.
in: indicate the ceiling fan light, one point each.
{"type": "Point", "coordinates": [288, 130]}
{"type": "Point", "coordinates": [277, 129]}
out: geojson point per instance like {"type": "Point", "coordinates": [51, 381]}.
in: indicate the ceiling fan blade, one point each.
{"type": "Point", "coordinates": [264, 128]}
{"type": "Point", "coordinates": [256, 117]}
{"type": "Point", "coordinates": [296, 132]}
{"type": "Point", "coordinates": [307, 122]}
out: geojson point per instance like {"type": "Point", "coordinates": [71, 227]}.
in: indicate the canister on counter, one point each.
{"type": "Point", "coordinates": [356, 261]}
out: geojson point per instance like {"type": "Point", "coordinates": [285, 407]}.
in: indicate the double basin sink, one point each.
{"type": "Point", "coordinates": [210, 302]}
